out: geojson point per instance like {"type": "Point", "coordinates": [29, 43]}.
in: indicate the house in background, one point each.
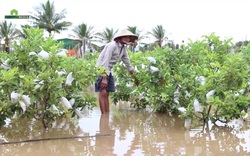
{"type": "Point", "coordinates": [70, 45]}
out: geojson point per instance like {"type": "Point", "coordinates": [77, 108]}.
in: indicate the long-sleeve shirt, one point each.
{"type": "Point", "coordinates": [111, 54]}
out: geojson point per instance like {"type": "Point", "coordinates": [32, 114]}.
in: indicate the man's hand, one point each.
{"type": "Point", "coordinates": [134, 77]}
{"type": "Point", "coordinates": [133, 44]}
{"type": "Point", "coordinates": [104, 82]}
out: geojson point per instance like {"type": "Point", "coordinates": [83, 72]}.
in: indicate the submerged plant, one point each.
{"type": "Point", "coordinates": [42, 83]}
{"type": "Point", "coordinates": [204, 78]}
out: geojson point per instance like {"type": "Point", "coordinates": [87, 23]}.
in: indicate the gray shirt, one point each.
{"type": "Point", "coordinates": [111, 54]}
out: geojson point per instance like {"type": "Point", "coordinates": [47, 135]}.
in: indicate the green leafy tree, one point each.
{"type": "Point", "coordinates": [39, 81]}
{"type": "Point", "coordinates": [47, 18]}
{"type": "Point", "coordinates": [239, 44]}
{"type": "Point", "coordinates": [204, 78]}
{"type": "Point", "coordinates": [23, 31]}
{"type": "Point", "coordinates": [8, 32]}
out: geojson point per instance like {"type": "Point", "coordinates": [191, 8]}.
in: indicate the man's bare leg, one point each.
{"type": "Point", "coordinates": [107, 103]}
{"type": "Point", "coordinates": [104, 101]}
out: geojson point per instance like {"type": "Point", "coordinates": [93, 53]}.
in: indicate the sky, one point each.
{"type": "Point", "coordinates": [182, 19]}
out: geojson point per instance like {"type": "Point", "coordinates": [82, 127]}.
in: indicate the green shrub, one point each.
{"type": "Point", "coordinates": [39, 75]}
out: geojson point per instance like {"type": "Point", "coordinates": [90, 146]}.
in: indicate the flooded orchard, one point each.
{"type": "Point", "coordinates": [125, 131]}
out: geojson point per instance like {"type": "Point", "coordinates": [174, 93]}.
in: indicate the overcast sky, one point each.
{"type": "Point", "coordinates": [181, 19]}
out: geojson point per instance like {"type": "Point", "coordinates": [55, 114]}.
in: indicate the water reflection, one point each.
{"type": "Point", "coordinates": [127, 131]}
{"type": "Point", "coordinates": [105, 145]}
{"type": "Point", "coordinates": [153, 134]}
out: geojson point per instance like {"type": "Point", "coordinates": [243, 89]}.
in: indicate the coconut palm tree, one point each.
{"type": "Point", "coordinates": [47, 18]}
{"type": "Point", "coordinates": [8, 32]}
{"type": "Point", "coordinates": [84, 34]}
{"type": "Point", "coordinates": [106, 35]}
{"type": "Point", "coordinates": [159, 33]}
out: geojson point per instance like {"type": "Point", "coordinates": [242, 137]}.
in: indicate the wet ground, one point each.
{"type": "Point", "coordinates": [125, 131]}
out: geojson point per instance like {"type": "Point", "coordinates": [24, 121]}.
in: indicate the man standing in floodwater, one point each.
{"type": "Point", "coordinates": [110, 55]}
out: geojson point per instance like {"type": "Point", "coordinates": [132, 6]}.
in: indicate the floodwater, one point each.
{"type": "Point", "coordinates": [125, 131]}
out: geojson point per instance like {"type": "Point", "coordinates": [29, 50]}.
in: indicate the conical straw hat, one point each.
{"type": "Point", "coordinates": [125, 32]}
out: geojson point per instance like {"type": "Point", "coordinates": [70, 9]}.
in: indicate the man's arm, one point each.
{"type": "Point", "coordinates": [126, 61]}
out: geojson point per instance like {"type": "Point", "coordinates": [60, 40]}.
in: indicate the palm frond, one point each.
{"type": "Point", "coordinates": [47, 18]}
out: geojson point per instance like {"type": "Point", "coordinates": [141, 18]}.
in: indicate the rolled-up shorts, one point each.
{"type": "Point", "coordinates": [110, 85]}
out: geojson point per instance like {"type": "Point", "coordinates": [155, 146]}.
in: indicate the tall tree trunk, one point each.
{"type": "Point", "coordinates": [83, 48]}
{"type": "Point", "coordinates": [6, 46]}
{"type": "Point", "coordinates": [49, 31]}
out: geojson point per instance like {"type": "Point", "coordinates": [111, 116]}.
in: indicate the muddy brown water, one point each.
{"type": "Point", "coordinates": [125, 131]}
